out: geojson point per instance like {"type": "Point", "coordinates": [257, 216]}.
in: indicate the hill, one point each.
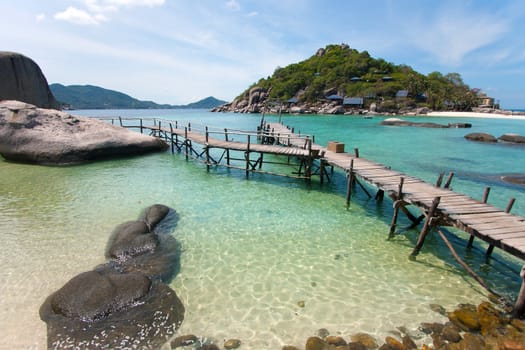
{"type": "Point", "coordinates": [95, 97]}
{"type": "Point", "coordinates": [337, 75]}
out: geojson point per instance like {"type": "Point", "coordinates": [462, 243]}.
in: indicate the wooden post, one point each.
{"type": "Point", "coordinates": [486, 195]}
{"type": "Point", "coordinates": [120, 120]}
{"type": "Point", "coordinates": [507, 210]}
{"type": "Point", "coordinates": [426, 227]}
{"type": "Point", "coordinates": [519, 307]}
{"type": "Point", "coordinates": [356, 152]}
{"type": "Point", "coordinates": [484, 200]}
{"type": "Point", "coordinates": [509, 205]}
{"type": "Point", "coordinates": [171, 133]}
{"type": "Point", "coordinates": [397, 204]}
{"type": "Point", "coordinates": [309, 161]}
{"type": "Point", "coordinates": [141, 127]}
{"type": "Point", "coordinates": [207, 149]}
{"type": "Point", "coordinates": [227, 149]}
{"type": "Point", "coordinates": [321, 171]}
{"type": "Point", "coordinates": [449, 180]}
{"type": "Point", "coordinates": [186, 141]}
{"type": "Point", "coordinates": [349, 183]}
{"type": "Point", "coordinates": [440, 179]}
{"type": "Point", "coordinates": [247, 157]}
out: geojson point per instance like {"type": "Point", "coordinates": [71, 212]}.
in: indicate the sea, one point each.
{"type": "Point", "coordinates": [265, 259]}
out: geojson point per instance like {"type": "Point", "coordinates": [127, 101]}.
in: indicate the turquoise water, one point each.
{"type": "Point", "coordinates": [254, 249]}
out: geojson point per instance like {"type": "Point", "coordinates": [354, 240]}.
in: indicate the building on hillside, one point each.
{"type": "Point", "coordinates": [485, 101]}
{"type": "Point", "coordinates": [402, 95]}
{"type": "Point", "coordinates": [353, 102]}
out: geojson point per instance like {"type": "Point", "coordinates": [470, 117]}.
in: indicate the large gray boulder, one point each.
{"type": "Point", "coordinates": [512, 138]}
{"type": "Point", "coordinates": [110, 310]}
{"type": "Point", "coordinates": [45, 136]}
{"type": "Point", "coordinates": [21, 79]}
{"type": "Point", "coordinates": [481, 137]}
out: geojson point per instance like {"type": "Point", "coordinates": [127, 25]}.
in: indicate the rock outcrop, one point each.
{"type": "Point", "coordinates": [401, 122]}
{"type": "Point", "coordinates": [125, 303]}
{"type": "Point", "coordinates": [22, 79]}
{"type": "Point", "coordinates": [512, 138]}
{"type": "Point", "coordinates": [481, 137]}
{"type": "Point", "coordinates": [45, 136]}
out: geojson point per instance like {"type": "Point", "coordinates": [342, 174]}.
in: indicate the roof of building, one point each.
{"type": "Point", "coordinates": [402, 93]}
{"type": "Point", "coordinates": [353, 101]}
{"type": "Point", "coordinates": [334, 97]}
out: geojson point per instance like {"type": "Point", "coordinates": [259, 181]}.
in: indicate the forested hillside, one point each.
{"type": "Point", "coordinates": [342, 71]}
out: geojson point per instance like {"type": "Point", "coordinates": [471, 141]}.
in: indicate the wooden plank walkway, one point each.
{"type": "Point", "coordinates": [484, 221]}
{"type": "Point", "coordinates": [439, 206]}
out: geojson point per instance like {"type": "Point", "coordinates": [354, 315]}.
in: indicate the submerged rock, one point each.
{"type": "Point", "coordinates": [518, 179]}
{"type": "Point", "coordinates": [50, 137]}
{"type": "Point", "coordinates": [481, 137]}
{"type": "Point", "coordinates": [131, 239]}
{"type": "Point", "coordinates": [124, 303]}
{"type": "Point", "coordinates": [148, 322]}
{"type": "Point", "coordinates": [401, 122]}
{"type": "Point", "coordinates": [155, 214]}
{"type": "Point", "coordinates": [93, 295]}
{"type": "Point", "coordinates": [512, 138]}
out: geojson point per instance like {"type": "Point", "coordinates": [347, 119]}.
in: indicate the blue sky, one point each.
{"type": "Point", "coordinates": [179, 51]}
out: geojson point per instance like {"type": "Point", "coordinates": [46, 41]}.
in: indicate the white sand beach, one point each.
{"type": "Point", "coordinates": [496, 115]}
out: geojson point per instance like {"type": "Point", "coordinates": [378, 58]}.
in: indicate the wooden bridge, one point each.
{"type": "Point", "coordinates": [439, 205]}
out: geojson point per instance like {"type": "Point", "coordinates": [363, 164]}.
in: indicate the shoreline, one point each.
{"type": "Point", "coordinates": [452, 114]}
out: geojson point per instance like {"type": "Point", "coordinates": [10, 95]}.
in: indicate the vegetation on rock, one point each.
{"type": "Point", "coordinates": [346, 72]}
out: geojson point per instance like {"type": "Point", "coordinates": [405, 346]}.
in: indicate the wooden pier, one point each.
{"type": "Point", "coordinates": [437, 203]}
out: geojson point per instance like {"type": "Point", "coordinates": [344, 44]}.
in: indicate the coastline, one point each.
{"type": "Point", "coordinates": [516, 116]}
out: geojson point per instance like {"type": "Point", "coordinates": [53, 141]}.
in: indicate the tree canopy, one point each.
{"type": "Point", "coordinates": [348, 72]}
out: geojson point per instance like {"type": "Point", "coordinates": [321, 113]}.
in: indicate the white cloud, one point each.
{"type": "Point", "coordinates": [233, 5]}
{"type": "Point", "coordinates": [451, 36]}
{"type": "Point", "coordinates": [97, 10]}
{"type": "Point", "coordinates": [40, 17]}
{"type": "Point", "coordinates": [253, 14]}
{"type": "Point", "coordinates": [111, 5]}
{"type": "Point", "coordinates": [77, 16]}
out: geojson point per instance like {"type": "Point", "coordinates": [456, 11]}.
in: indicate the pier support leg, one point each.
{"type": "Point", "coordinates": [398, 203]}
{"type": "Point", "coordinates": [519, 308]}
{"type": "Point", "coordinates": [349, 182]}
{"type": "Point", "coordinates": [426, 227]}
{"type": "Point", "coordinates": [321, 172]}
{"type": "Point", "coordinates": [207, 158]}
{"type": "Point", "coordinates": [247, 158]}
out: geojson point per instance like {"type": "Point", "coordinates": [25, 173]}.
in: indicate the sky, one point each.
{"type": "Point", "coordinates": [180, 51]}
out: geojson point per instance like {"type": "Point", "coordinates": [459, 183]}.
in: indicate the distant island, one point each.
{"type": "Point", "coordinates": [340, 80]}
{"type": "Point", "coordinates": [95, 97]}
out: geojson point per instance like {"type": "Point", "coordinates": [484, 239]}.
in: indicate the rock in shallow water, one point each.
{"type": "Point", "coordinates": [155, 214]}
{"type": "Point", "coordinates": [131, 239]}
{"type": "Point", "coordinates": [124, 303]}
{"type": "Point", "coordinates": [481, 137]}
{"type": "Point", "coordinates": [93, 295]}
{"type": "Point", "coordinates": [50, 137]}
{"type": "Point", "coordinates": [146, 322]}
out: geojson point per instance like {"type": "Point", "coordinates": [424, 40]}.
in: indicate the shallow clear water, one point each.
{"type": "Point", "coordinates": [254, 249]}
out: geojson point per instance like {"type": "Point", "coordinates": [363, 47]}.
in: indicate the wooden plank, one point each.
{"type": "Point", "coordinates": [499, 224]}
{"type": "Point", "coordinates": [495, 231]}
{"type": "Point", "coordinates": [505, 235]}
